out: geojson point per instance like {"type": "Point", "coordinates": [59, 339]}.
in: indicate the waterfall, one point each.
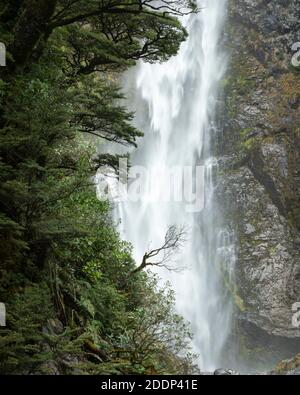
{"type": "Point", "coordinates": [176, 104]}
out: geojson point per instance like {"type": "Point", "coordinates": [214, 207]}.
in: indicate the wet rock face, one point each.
{"type": "Point", "coordinates": [259, 157]}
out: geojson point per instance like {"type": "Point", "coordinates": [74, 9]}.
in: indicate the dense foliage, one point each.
{"type": "Point", "coordinates": [73, 302]}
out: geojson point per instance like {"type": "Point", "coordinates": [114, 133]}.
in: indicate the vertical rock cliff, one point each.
{"type": "Point", "coordinates": [259, 160]}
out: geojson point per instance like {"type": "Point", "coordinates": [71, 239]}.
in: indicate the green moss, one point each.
{"type": "Point", "coordinates": [272, 250]}
{"type": "Point", "coordinates": [239, 302]}
{"type": "Point", "coordinates": [230, 286]}
{"type": "Point", "coordinates": [244, 132]}
{"type": "Point", "coordinates": [250, 143]}
{"type": "Point", "coordinates": [284, 366]}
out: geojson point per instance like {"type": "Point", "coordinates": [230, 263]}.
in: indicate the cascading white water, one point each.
{"type": "Point", "coordinates": [175, 107]}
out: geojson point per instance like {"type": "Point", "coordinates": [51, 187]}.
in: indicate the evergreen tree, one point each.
{"type": "Point", "coordinates": [65, 275]}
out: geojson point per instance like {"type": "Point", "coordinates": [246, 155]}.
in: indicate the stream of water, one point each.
{"type": "Point", "coordinates": [176, 104]}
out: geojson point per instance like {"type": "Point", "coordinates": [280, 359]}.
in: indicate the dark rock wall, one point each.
{"type": "Point", "coordinates": [260, 163]}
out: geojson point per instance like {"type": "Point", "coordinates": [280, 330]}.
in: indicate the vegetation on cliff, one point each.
{"type": "Point", "coordinates": [74, 303]}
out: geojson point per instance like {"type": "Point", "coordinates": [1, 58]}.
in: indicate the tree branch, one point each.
{"type": "Point", "coordinates": [174, 239]}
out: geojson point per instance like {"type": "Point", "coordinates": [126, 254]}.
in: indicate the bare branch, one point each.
{"type": "Point", "coordinates": [174, 240]}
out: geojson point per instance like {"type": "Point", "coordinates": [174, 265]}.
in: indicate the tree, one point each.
{"type": "Point", "coordinates": [94, 113]}
{"type": "Point", "coordinates": [41, 161]}
{"type": "Point", "coordinates": [174, 239]}
{"type": "Point", "coordinates": [148, 28]}
{"type": "Point", "coordinates": [53, 90]}
{"type": "Point", "coordinates": [155, 335]}
{"type": "Point", "coordinates": [58, 245]}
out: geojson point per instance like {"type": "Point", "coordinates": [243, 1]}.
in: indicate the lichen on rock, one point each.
{"type": "Point", "coordinates": [259, 160]}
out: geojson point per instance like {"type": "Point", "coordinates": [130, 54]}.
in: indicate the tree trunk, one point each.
{"type": "Point", "coordinates": [10, 10]}
{"type": "Point", "coordinates": [30, 28]}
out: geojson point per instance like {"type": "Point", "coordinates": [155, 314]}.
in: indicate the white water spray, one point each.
{"type": "Point", "coordinates": [175, 107]}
